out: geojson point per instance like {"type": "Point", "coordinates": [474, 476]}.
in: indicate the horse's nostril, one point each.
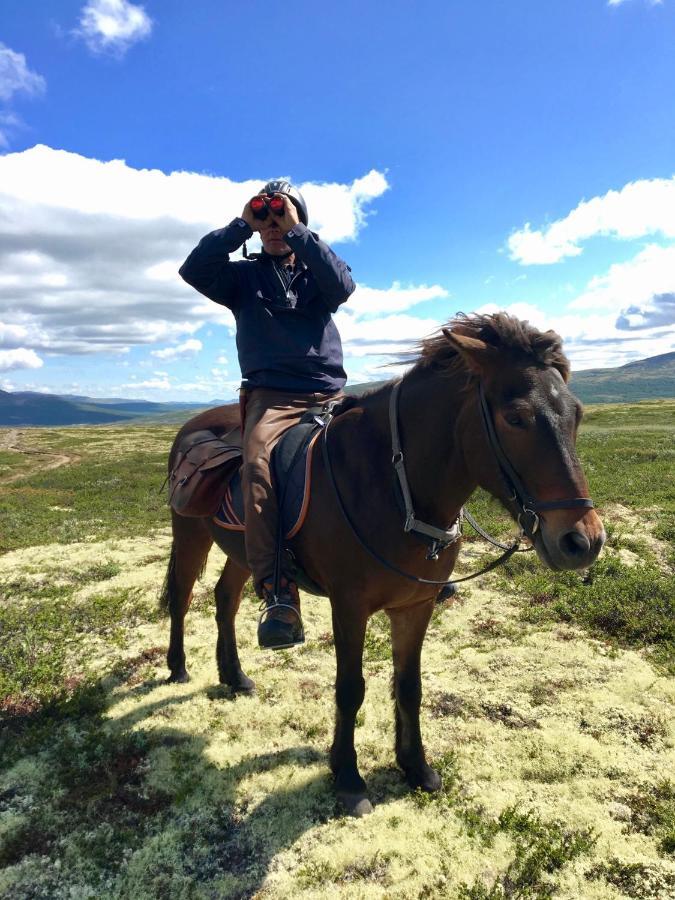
{"type": "Point", "coordinates": [574, 543]}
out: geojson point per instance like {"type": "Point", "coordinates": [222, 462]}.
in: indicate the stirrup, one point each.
{"type": "Point", "coordinates": [295, 632]}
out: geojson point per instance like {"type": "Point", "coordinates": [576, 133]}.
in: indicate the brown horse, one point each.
{"type": "Point", "coordinates": [521, 375]}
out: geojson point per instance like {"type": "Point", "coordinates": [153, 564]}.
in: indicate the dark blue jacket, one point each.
{"type": "Point", "coordinates": [286, 337]}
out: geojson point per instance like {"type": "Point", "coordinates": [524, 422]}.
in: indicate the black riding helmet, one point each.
{"type": "Point", "coordinates": [279, 186]}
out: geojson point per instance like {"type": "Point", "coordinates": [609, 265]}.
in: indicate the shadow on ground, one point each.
{"type": "Point", "coordinates": [139, 807]}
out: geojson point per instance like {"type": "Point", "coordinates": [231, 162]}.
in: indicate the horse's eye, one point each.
{"type": "Point", "coordinates": [514, 420]}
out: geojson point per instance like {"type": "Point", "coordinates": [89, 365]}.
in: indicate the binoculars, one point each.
{"type": "Point", "coordinates": [262, 203]}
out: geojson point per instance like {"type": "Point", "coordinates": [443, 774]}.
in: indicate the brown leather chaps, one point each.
{"type": "Point", "coordinates": [266, 414]}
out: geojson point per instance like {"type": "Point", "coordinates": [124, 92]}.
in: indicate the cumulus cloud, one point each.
{"type": "Point", "coordinates": [21, 358]}
{"type": "Point", "coordinates": [626, 313]}
{"type": "Point", "coordinates": [152, 384]}
{"type": "Point", "coordinates": [620, 2]}
{"type": "Point", "coordinates": [368, 302]}
{"type": "Point", "coordinates": [113, 25]}
{"type": "Point", "coordinates": [641, 208]}
{"type": "Point", "coordinates": [15, 76]}
{"type": "Point", "coordinates": [89, 250]}
{"type": "Point", "coordinates": [658, 311]}
{"type": "Point", "coordinates": [375, 320]}
{"type": "Point", "coordinates": [188, 348]}
{"type": "Point", "coordinates": [631, 283]}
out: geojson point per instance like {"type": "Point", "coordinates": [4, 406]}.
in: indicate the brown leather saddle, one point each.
{"type": "Point", "coordinates": [205, 464]}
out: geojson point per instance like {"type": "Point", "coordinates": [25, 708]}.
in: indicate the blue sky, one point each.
{"type": "Point", "coordinates": [459, 156]}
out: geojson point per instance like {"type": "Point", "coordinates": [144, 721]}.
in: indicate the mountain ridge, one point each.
{"type": "Point", "coordinates": [643, 379]}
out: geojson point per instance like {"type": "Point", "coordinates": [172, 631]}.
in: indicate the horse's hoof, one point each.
{"type": "Point", "coordinates": [425, 778]}
{"type": "Point", "coordinates": [240, 684]}
{"type": "Point", "coordinates": [181, 677]}
{"type": "Point", "coordinates": [355, 805]}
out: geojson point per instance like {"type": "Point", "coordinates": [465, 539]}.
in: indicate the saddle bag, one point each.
{"type": "Point", "coordinates": [204, 465]}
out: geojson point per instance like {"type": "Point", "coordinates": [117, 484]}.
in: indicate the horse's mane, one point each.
{"type": "Point", "coordinates": [514, 338]}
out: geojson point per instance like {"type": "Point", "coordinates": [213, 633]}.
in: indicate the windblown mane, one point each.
{"type": "Point", "coordinates": [515, 338]}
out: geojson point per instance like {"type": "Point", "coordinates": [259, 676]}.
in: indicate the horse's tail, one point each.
{"type": "Point", "coordinates": [169, 586]}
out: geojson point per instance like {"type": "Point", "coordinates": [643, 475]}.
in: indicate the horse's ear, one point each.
{"type": "Point", "coordinates": [478, 356]}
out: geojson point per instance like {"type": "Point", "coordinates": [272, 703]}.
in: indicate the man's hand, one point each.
{"type": "Point", "coordinates": [290, 217]}
{"type": "Point", "coordinates": [248, 217]}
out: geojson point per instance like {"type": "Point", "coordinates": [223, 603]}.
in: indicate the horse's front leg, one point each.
{"type": "Point", "coordinates": [408, 627]}
{"type": "Point", "coordinates": [349, 629]}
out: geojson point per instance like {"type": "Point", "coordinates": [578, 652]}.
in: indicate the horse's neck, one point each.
{"type": "Point", "coordinates": [429, 419]}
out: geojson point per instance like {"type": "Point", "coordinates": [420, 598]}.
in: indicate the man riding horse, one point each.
{"type": "Point", "coordinates": [290, 355]}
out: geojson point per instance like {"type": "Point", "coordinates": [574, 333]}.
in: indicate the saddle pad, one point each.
{"type": "Point", "coordinates": [291, 465]}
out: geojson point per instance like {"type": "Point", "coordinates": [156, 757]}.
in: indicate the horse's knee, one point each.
{"type": "Point", "coordinates": [349, 694]}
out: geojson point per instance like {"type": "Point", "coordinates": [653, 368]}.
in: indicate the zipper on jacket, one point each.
{"type": "Point", "coordinates": [286, 290]}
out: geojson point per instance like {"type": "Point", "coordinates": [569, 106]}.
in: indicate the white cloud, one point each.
{"type": "Point", "coordinates": [640, 208]}
{"type": "Point", "coordinates": [89, 250]}
{"type": "Point", "coordinates": [153, 384]}
{"type": "Point", "coordinates": [368, 302]}
{"type": "Point", "coordinates": [607, 335]}
{"type": "Point", "coordinates": [186, 349]}
{"type": "Point", "coordinates": [373, 321]}
{"type": "Point", "coordinates": [620, 2]}
{"type": "Point", "coordinates": [338, 211]}
{"type": "Point", "coordinates": [385, 335]}
{"type": "Point", "coordinates": [650, 272]}
{"type": "Point", "coordinates": [113, 25]}
{"type": "Point", "coordinates": [21, 358]}
{"type": "Point", "coordinates": [15, 76]}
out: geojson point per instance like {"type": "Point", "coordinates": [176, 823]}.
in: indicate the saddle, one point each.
{"type": "Point", "coordinates": [206, 478]}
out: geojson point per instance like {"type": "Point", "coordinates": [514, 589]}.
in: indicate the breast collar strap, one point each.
{"type": "Point", "coordinates": [440, 538]}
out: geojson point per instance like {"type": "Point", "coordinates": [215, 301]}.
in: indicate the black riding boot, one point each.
{"type": "Point", "coordinates": [280, 624]}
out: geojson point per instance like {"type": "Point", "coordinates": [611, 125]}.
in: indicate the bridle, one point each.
{"type": "Point", "coordinates": [440, 539]}
{"type": "Point", "coordinates": [528, 506]}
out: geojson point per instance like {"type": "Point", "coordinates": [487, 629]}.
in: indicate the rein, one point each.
{"type": "Point", "coordinates": [529, 507]}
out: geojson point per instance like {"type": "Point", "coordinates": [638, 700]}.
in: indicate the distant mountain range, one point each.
{"type": "Point", "coordinates": [31, 408]}
{"type": "Point", "coordinates": [645, 379]}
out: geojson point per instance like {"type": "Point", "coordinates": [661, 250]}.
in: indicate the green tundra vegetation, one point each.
{"type": "Point", "coordinates": [548, 703]}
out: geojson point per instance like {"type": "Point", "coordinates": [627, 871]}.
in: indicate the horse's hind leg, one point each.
{"type": "Point", "coordinates": [228, 596]}
{"type": "Point", "coordinates": [189, 551]}
{"type": "Point", "coordinates": [408, 627]}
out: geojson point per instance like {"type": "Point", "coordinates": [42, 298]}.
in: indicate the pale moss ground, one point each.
{"type": "Point", "coordinates": [543, 718]}
{"type": "Point", "coordinates": [238, 796]}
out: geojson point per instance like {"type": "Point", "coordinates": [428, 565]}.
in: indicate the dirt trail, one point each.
{"type": "Point", "coordinates": [11, 441]}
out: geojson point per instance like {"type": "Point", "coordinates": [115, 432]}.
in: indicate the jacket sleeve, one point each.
{"type": "Point", "coordinates": [208, 268]}
{"type": "Point", "coordinates": [331, 273]}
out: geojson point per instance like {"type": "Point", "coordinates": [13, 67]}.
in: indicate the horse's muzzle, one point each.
{"type": "Point", "coordinates": [571, 545]}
